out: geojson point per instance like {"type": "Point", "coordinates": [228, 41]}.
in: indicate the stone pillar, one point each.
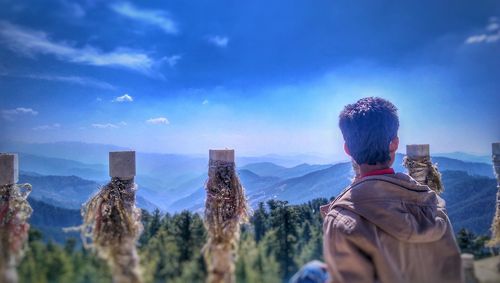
{"type": "Point", "coordinates": [418, 151]}
{"type": "Point", "coordinates": [224, 155]}
{"type": "Point", "coordinates": [495, 226]}
{"type": "Point", "coordinates": [420, 167]}
{"type": "Point", "coordinates": [468, 267]}
{"type": "Point", "coordinates": [122, 164]}
{"type": "Point", "coordinates": [9, 175]}
{"type": "Point", "coordinates": [225, 209]}
{"type": "Point", "coordinates": [495, 155]}
{"type": "Point", "coordinates": [9, 169]}
{"type": "Point", "coordinates": [114, 220]}
{"type": "Point", "coordinates": [495, 152]}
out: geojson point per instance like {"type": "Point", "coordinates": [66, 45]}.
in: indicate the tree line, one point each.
{"type": "Point", "coordinates": [278, 239]}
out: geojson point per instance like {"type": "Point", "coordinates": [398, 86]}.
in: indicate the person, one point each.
{"type": "Point", "coordinates": [385, 227]}
{"type": "Point", "coordinates": [312, 272]}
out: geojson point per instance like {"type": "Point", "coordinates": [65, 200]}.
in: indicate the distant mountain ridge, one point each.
{"type": "Point", "coordinates": [271, 169]}
{"type": "Point", "coordinates": [62, 167]}
{"type": "Point", "coordinates": [468, 157]}
{"type": "Point", "coordinates": [68, 191]}
{"type": "Point", "coordinates": [51, 220]}
{"type": "Point", "coordinates": [175, 182]}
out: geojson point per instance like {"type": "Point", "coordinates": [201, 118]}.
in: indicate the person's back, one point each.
{"type": "Point", "coordinates": [385, 227]}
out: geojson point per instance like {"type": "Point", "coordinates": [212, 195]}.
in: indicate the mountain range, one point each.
{"type": "Point", "coordinates": [174, 183]}
{"type": "Point", "coordinates": [68, 191]}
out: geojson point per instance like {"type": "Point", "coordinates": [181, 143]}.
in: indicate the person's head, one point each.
{"type": "Point", "coordinates": [370, 130]}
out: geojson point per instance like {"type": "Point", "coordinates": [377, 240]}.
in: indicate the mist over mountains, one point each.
{"type": "Point", "coordinates": [172, 182]}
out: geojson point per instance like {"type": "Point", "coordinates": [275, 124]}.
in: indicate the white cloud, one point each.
{"type": "Point", "coordinates": [47, 127]}
{"type": "Point", "coordinates": [487, 38]}
{"type": "Point", "coordinates": [205, 102]}
{"type": "Point", "coordinates": [172, 60]}
{"type": "Point", "coordinates": [158, 121]}
{"type": "Point", "coordinates": [156, 18]}
{"type": "Point", "coordinates": [492, 26]}
{"type": "Point", "coordinates": [124, 98]}
{"type": "Point", "coordinates": [83, 81]}
{"type": "Point", "coordinates": [109, 125]}
{"type": "Point", "coordinates": [105, 126]}
{"type": "Point", "coordinates": [11, 114]}
{"type": "Point", "coordinates": [491, 35]}
{"type": "Point", "coordinates": [73, 9]}
{"type": "Point", "coordinates": [31, 42]}
{"type": "Point", "coordinates": [219, 40]}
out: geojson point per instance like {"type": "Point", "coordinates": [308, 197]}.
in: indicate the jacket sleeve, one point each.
{"type": "Point", "coordinates": [345, 261]}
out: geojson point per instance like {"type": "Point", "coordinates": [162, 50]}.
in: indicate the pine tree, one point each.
{"type": "Point", "coordinates": [259, 222]}
{"type": "Point", "coordinates": [284, 221]}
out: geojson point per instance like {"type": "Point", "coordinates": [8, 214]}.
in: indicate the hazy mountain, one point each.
{"type": "Point", "coordinates": [69, 191]}
{"type": "Point", "coordinates": [467, 157]}
{"type": "Point", "coordinates": [444, 163]}
{"type": "Point", "coordinates": [265, 168]}
{"type": "Point", "coordinates": [175, 182]}
{"type": "Point", "coordinates": [96, 172]}
{"type": "Point", "coordinates": [158, 171]}
{"type": "Point", "coordinates": [62, 167]}
{"type": "Point", "coordinates": [185, 189]}
{"type": "Point", "coordinates": [252, 183]}
{"type": "Point", "coordinates": [51, 220]}
{"type": "Point", "coordinates": [470, 200]}
{"type": "Point", "coordinates": [322, 183]}
{"type": "Point", "coordinates": [78, 151]}
{"type": "Point", "coordinates": [271, 169]}
{"type": "Point", "coordinates": [289, 160]}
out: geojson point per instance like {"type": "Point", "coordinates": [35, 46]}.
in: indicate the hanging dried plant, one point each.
{"type": "Point", "coordinates": [225, 209]}
{"type": "Point", "coordinates": [14, 213]}
{"type": "Point", "coordinates": [111, 222]}
{"type": "Point", "coordinates": [356, 170]}
{"type": "Point", "coordinates": [495, 226]}
{"type": "Point", "coordinates": [424, 172]}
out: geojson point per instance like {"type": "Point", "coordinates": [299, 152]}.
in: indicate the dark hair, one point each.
{"type": "Point", "coordinates": [368, 126]}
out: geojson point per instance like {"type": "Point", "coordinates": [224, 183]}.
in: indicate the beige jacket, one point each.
{"type": "Point", "coordinates": [389, 229]}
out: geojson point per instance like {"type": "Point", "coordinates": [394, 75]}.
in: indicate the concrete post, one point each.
{"type": "Point", "coordinates": [356, 170]}
{"type": "Point", "coordinates": [9, 175]}
{"type": "Point", "coordinates": [468, 267]}
{"type": "Point", "coordinates": [226, 155]}
{"type": "Point", "coordinates": [418, 152]}
{"type": "Point", "coordinates": [495, 152]}
{"type": "Point", "coordinates": [420, 167]}
{"type": "Point", "coordinates": [225, 208]}
{"type": "Point", "coordinates": [495, 155]}
{"type": "Point", "coordinates": [122, 164]}
{"type": "Point", "coordinates": [114, 220]}
{"type": "Point", "coordinates": [9, 169]}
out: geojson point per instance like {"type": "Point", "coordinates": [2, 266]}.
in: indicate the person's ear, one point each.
{"type": "Point", "coordinates": [393, 146]}
{"type": "Point", "coordinates": [346, 149]}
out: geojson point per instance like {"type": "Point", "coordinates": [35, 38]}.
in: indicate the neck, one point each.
{"type": "Point", "coordinates": [365, 168]}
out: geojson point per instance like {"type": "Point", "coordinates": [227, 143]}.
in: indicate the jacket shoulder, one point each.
{"type": "Point", "coordinates": [341, 220]}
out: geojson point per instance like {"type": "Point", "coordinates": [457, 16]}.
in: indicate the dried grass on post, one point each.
{"type": "Point", "coordinates": [112, 222]}
{"type": "Point", "coordinates": [495, 227]}
{"type": "Point", "coordinates": [424, 172]}
{"type": "Point", "coordinates": [356, 170]}
{"type": "Point", "coordinates": [14, 213]}
{"type": "Point", "coordinates": [225, 209]}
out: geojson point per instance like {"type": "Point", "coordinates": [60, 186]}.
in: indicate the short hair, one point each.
{"type": "Point", "coordinates": [368, 127]}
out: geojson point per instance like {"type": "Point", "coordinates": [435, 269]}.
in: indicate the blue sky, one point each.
{"type": "Point", "coordinates": [260, 77]}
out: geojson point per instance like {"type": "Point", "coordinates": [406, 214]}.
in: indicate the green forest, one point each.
{"type": "Point", "coordinates": [278, 239]}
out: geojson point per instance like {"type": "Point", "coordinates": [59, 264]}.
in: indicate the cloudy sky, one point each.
{"type": "Point", "coordinates": [258, 76]}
